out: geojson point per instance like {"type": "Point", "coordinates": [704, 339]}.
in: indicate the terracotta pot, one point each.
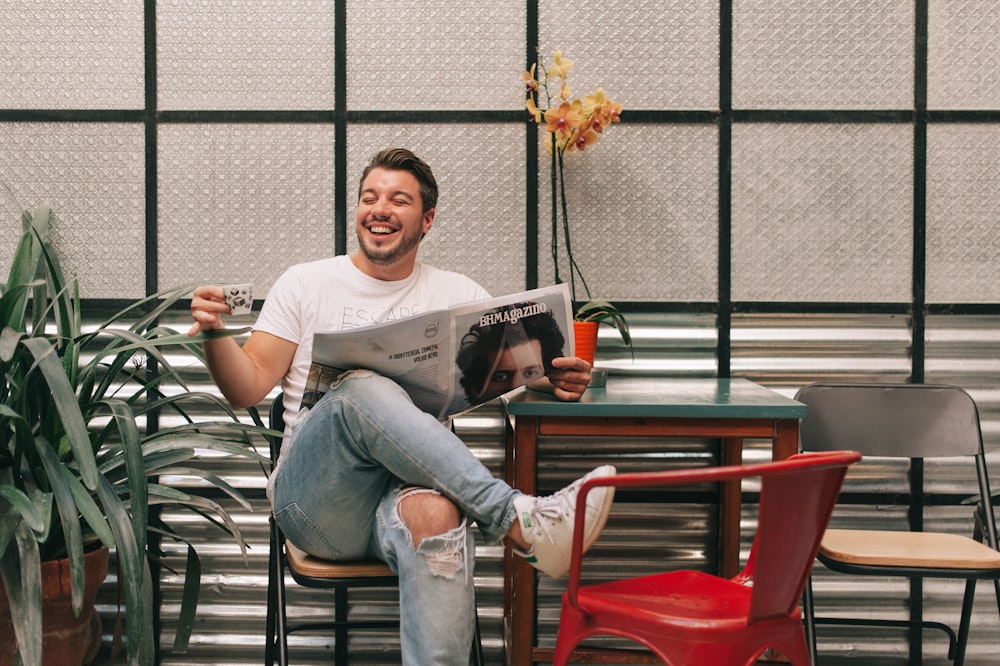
{"type": "Point", "coordinates": [67, 640]}
{"type": "Point", "coordinates": [585, 333]}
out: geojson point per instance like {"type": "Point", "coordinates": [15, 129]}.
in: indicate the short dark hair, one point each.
{"type": "Point", "coordinates": [401, 159]}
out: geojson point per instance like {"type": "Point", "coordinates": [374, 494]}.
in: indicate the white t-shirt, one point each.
{"type": "Point", "coordinates": [333, 294]}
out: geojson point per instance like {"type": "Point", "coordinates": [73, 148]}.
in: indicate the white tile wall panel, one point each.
{"type": "Point", "coordinates": [826, 54]}
{"type": "Point", "coordinates": [91, 175]}
{"type": "Point", "coordinates": [963, 58]}
{"type": "Point", "coordinates": [267, 54]}
{"type": "Point", "coordinates": [60, 54]}
{"type": "Point", "coordinates": [434, 55]}
{"type": "Point", "coordinates": [663, 59]}
{"type": "Point", "coordinates": [822, 212]}
{"type": "Point", "coordinates": [963, 195]}
{"type": "Point", "coordinates": [240, 203]}
{"type": "Point", "coordinates": [642, 209]}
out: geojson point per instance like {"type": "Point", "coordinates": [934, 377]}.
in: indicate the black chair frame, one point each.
{"type": "Point", "coordinates": [984, 531]}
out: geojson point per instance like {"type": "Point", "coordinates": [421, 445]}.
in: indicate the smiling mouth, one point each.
{"type": "Point", "coordinates": [380, 229]}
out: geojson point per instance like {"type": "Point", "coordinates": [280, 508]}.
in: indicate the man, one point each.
{"type": "Point", "coordinates": [365, 473]}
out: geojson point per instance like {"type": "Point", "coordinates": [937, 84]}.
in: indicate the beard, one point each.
{"type": "Point", "coordinates": [386, 256]}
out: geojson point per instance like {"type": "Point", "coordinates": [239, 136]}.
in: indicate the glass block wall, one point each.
{"type": "Point", "coordinates": [831, 156]}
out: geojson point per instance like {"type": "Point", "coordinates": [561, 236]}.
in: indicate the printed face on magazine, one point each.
{"type": "Point", "coordinates": [515, 366]}
{"type": "Point", "coordinates": [390, 217]}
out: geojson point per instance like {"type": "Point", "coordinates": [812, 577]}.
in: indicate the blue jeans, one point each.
{"type": "Point", "coordinates": [335, 495]}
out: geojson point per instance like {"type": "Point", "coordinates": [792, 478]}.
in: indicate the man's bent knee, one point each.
{"type": "Point", "coordinates": [435, 522]}
{"type": "Point", "coordinates": [426, 512]}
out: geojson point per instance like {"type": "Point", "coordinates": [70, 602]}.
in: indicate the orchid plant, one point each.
{"type": "Point", "coordinates": [570, 125]}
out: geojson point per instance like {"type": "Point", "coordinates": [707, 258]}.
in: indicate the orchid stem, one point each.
{"type": "Point", "coordinates": [555, 219]}
{"type": "Point", "coordinates": [574, 269]}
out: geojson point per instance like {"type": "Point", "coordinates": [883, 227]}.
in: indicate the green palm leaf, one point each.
{"type": "Point", "coordinates": [75, 468]}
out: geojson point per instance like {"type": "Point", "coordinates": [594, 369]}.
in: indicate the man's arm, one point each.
{"type": "Point", "coordinates": [243, 374]}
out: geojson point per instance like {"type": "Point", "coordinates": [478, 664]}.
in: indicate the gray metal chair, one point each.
{"type": "Point", "coordinates": [909, 421]}
{"type": "Point", "coordinates": [313, 572]}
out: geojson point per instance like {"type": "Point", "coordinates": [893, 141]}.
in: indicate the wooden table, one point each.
{"type": "Point", "coordinates": [725, 409]}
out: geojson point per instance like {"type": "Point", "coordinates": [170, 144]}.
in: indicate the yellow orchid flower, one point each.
{"type": "Point", "coordinates": [529, 78]}
{"type": "Point", "coordinates": [560, 66]}
{"type": "Point", "coordinates": [591, 103]}
{"type": "Point", "coordinates": [583, 138]}
{"type": "Point", "coordinates": [613, 111]}
{"type": "Point", "coordinates": [536, 113]}
{"type": "Point", "coordinates": [572, 124]}
{"type": "Point", "coordinates": [579, 119]}
{"type": "Point", "coordinates": [605, 115]}
{"type": "Point", "coordinates": [563, 119]}
{"type": "Point", "coordinates": [569, 125]}
{"type": "Point", "coordinates": [596, 124]}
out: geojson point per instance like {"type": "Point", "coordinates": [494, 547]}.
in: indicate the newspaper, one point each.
{"type": "Point", "coordinates": [451, 360]}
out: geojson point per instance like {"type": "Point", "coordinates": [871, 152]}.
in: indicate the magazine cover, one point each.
{"type": "Point", "coordinates": [449, 361]}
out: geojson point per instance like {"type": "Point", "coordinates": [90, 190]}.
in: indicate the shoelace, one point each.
{"type": "Point", "coordinates": [554, 507]}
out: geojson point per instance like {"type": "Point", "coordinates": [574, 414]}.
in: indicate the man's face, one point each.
{"type": "Point", "coordinates": [390, 219]}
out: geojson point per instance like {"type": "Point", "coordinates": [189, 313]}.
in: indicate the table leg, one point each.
{"type": "Point", "coordinates": [520, 618]}
{"type": "Point", "coordinates": [784, 444]}
{"type": "Point", "coordinates": [508, 556]}
{"type": "Point", "coordinates": [786, 439]}
{"type": "Point", "coordinates": [730, 505]}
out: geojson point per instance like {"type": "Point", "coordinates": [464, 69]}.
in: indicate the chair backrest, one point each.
{"type": "Point", "coordinates": [796, 500]}
{"type": "Point", "coordinates": [276, 421]}
{"type": "Point", "coordinates": [890, 420]}
{"type": "Point", "coordinates": [796, 503]}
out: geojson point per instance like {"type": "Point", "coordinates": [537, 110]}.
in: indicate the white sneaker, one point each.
{"type": "Point", "coordinates": [547, 522]}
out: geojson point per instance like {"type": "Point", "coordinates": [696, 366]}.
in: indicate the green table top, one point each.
{"type": "Point", "coordinates": [626, 396]}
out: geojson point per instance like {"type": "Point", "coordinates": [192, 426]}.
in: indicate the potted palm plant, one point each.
{"type": "Point", "coordinates": [77, 473]}
{"type": "Point", "coordinates": [571, 125]}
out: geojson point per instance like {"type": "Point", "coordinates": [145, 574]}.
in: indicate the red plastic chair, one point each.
{"type": "Point", "coordinates": [691, 617]}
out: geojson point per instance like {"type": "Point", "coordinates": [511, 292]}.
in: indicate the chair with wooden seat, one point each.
{"type": "Point", "coordinates": [691, 618]}
{"type": "Point", "coordinates": [911, 422]}
{"type": "Point", "coordinates": [314, 572]}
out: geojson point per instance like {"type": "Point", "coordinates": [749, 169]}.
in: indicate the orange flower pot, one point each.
{"type": "Point", "coordinates": [67, 640]}
{"type": "Point", "coordinates": [585, 334]}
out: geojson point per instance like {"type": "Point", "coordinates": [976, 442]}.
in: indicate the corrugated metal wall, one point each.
{"type": "Point", "coordinates": [782, 352]}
